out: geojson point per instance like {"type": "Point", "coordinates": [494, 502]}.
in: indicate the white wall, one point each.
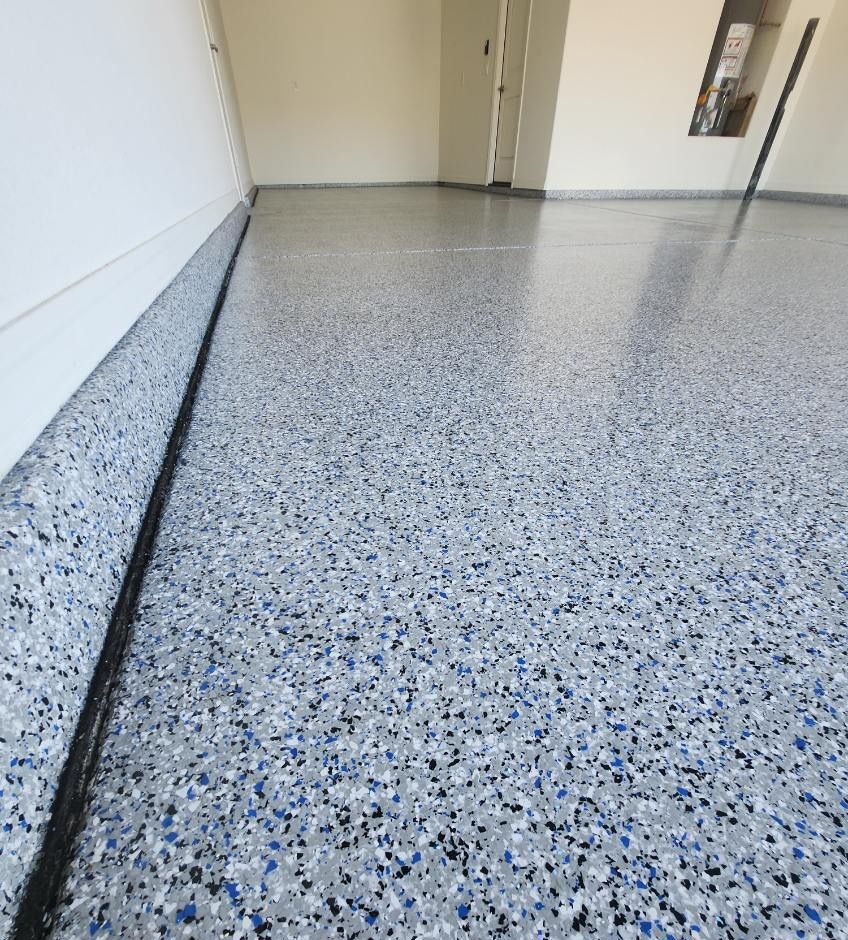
{"type": "Point", "coordinates": [114, 170]}
{"type": "Point", "coordinates": [333, 91]}
{"type": "Point", "coordinates": [811, 151]}
{"type": "Point", "coordinates": [467, 84]}
{"type": "Point", "coordinates": [630, 76]}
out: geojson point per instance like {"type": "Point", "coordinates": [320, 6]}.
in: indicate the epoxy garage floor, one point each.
{"type": "Point", "coordinates": [501, 588]}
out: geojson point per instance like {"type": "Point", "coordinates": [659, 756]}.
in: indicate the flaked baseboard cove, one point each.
{"type": "Point", "coordinates": [70, 512]}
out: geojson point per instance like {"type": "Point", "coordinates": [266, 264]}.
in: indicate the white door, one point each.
{"type": "Point", "coordinates": [512, 81]}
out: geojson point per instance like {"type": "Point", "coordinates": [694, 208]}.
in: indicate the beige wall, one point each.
{"type": "Point", "coordinates": [811, 152]}
{"type": "Point", "coordinates": [467, 84]}
{"type": "Point", "coordinates": [400, 90]}
{"type": "Point", "coordinates": [115, 171]}
{"type": "Point", "coordinates": [630, 74]}
{"type": "Point", "coordinates": [334, 91]}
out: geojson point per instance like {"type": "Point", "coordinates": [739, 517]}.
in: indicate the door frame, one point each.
{"type": "Point", "coordinates": [214, 52]}
{"type": "Point", "coordinates": [500, 39]}
{"type": "Point", "coordinates": [497, 80]}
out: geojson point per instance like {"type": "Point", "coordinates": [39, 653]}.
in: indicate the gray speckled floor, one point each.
{"type": "Point", "coordinates": [501, 590]}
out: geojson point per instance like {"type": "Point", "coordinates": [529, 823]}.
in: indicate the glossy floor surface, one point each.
{"type": "Point", "coordinates": [501, 588]}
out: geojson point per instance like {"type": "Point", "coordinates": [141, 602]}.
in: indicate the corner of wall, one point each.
{"type": "Point", "coordinates": [542, 79]}
{"type": "Point", "coordinates": [810, 152]}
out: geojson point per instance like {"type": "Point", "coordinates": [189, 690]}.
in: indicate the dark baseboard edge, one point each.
{"type": "Point", "coordinates": [252, 193]}
{"type": "Point", "coordinates": [473, 187]}
{"type": "Point", "coordinates": [818, 199]}
{"type": "Point", "coordinates": [346, 185]}
{"type": "Point", "coordinates": [496, 190]}
{"type": "Point", "coordinates": [644, 193]}
{"type": "Point", "coordinates": [43, 887]}
{"type": "Point", "coordinates": [522, 193]}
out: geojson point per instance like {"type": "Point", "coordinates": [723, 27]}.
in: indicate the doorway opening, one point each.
{"type": "Point", "coordinates": [745, 40]}
{"type": "Point", "coordinates": [509, 91]}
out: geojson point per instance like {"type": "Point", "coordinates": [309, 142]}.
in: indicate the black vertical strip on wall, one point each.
{"type": "Point", "coordinates": [777, 117]}
{"type": "Point", "coordinates": [44, 883]}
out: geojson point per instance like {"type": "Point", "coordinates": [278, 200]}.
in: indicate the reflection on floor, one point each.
{"type": "Point", "coordinates": [501, 590]}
